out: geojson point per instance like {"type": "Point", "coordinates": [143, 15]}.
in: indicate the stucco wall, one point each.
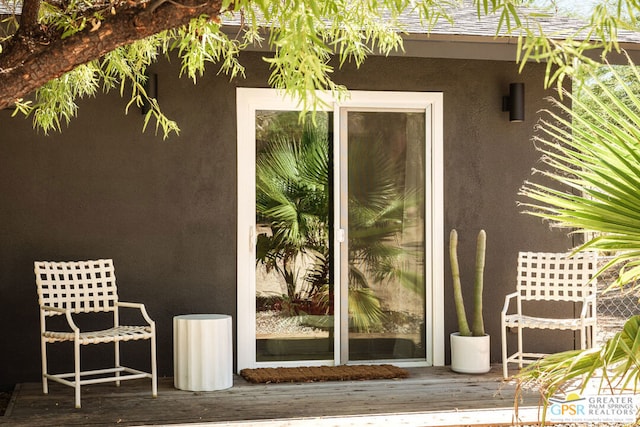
{"type": "Point", "coordinates": [166, 210]}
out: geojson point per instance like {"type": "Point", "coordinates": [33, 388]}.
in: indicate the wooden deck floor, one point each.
{"type": "Point", "coordinates": [427, 392]}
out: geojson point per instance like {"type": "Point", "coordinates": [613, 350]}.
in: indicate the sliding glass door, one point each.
{"type": "Point", "coordinates": [383, 163]}
{"type": "Point", "coordinates": [294, 290]}
{"type": "Point", "coordinates": [341, 214]}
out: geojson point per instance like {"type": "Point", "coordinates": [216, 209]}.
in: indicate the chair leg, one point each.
{"type": "Point", "coordinates": [505, 370]}
{"type": "Point", "coordinates": [116, 357]}
{"type": "Point", "coordinates": [519, 347]}
{"type": "Point", "coordinates": [76, 355]}
{"type": "Point", "coordinates": [154, 369]}
{"type": "Point", "coordinates": [45, 383]}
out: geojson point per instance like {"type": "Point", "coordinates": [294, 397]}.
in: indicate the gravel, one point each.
{"type": "Point", "coordinates": [275, 323]}
{"type": "Point", "coordinates": [271, 322]}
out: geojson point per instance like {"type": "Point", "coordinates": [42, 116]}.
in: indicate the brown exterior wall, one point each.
{"type": "Point", "coordinates": [165, 211]}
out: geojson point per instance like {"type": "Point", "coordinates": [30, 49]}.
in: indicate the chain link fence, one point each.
{"type": "Point", "coordinates": [615, 306]}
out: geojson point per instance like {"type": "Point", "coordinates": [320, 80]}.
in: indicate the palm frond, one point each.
{"type": "Point", "coordinates": [592, 154]}
{"type": "Point", "coordinates": [365, 312]}
{"type": "Point", "coordinates": [615, 367]}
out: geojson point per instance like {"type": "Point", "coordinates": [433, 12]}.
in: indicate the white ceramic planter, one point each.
{"type": "Point", "coordinates": [470, 355]}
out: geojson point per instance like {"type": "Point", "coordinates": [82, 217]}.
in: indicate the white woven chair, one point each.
{"type": "Point", "coordinates": [551, 277]}
{"type": "Point", "coordinates": [67, 288]}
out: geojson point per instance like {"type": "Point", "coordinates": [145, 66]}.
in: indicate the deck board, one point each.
{"type": "Point", "coordinates": [426, 390]}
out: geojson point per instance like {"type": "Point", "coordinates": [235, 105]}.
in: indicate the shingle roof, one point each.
{"type": "Point", "coordinates": [8, 7]}
{"type": "Point", "coordinates": [465, 23]}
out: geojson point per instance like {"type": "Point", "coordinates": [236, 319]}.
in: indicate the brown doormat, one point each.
{"type": "Point", "coordinates": [323, 373]}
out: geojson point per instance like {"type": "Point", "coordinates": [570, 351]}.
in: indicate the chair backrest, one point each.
{"type": "Point", "coordinates": [556, 276]}
{"type": "Point", "coordinates": [80, 286]}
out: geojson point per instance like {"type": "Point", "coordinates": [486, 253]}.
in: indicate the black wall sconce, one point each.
{"type": "Point", "coordinates": [151, 87]}
{"type": "Point", "coordinates": [514, 103]}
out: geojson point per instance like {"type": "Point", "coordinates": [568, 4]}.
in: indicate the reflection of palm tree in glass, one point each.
{"type": "Point", "coordinates": [379, 203]}
{"type": "Point", "coordinates": [293, 201]}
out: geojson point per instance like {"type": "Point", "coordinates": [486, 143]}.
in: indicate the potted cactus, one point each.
{"type": "Point", "coordinates": [470, 346]}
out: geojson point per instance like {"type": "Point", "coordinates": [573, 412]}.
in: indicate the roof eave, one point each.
{"type": "Point", "coordinates": [460, 47]}
{"type": "Point", "coordinates": [488, 48]}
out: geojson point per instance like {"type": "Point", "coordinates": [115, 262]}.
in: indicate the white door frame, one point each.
{"type": "Point", "coordinates": [250, 100]}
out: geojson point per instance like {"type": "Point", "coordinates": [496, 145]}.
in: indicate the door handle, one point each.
{"type": "Point", "coordinates": [255, 231]}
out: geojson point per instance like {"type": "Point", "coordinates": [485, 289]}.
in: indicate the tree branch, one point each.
{"type": "Point", "coordinates": [21, 73]}
{"type": "Point", "coordinates": [29, 16]}
{"type": "Point", "coordinates": [27, 33]}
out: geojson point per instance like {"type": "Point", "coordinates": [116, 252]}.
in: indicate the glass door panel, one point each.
{"type": "Point", "coordinates": [385, 217]}
{"type": "Point", "coordinates": [294, 286]}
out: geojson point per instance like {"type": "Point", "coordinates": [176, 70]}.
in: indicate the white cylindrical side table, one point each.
{"type": "Point", "coordinates": [202, 352]}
